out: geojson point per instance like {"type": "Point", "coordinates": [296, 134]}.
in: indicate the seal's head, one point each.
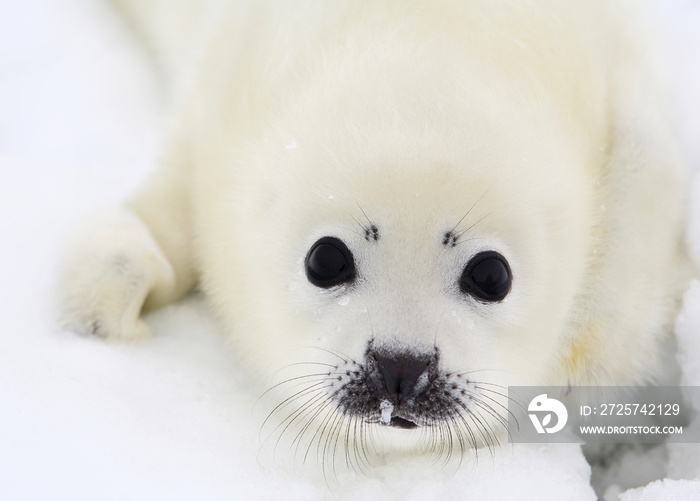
{"type": "Point", "coordinates": [423, 267]}
{"type": "Point", "coordinates": [404, 251]}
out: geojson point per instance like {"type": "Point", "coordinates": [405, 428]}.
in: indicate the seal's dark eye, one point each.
{"type": "Point", "coordinates": [486, 277]}
{"type": "Point", "coordinates": [329, 263]}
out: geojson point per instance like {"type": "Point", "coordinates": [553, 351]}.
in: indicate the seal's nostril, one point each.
{"type": "Point", "coordinates": [400, 372]}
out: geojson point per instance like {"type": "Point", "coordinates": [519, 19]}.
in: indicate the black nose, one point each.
{"type": "Point", "coordinates": [400, 373]}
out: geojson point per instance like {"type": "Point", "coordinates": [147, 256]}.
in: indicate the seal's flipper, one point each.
{"type": "Point", "coordinates": [127, 259]}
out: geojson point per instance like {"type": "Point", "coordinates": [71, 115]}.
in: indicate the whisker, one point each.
{"type": "Point", "coordinates": [504, 395]}
{"type": "Point", "coordinates": [460, 438]}
{"type": "Point", "coordinates": [315, 388]}
{"type": "Point", "coordinates": [499, 419]}
{"type": "Point", "coordinates": [470, 433]}
{"type": "Point", "coordinates": [325, 375]}
{"type": "Point", "coordinates": [490, 410]}
{"type": "Point", "coordinates": [347, 358]}
{"type": "Point", "coordinates": [318, 436]}
{"type": "Point", "coordinates": [322, 405]}
{"type": "Point", "coordinates": [367, 431]}
{"type": "Point", "coordinates": [458, 235]}
{"type": "Point", "coordinates": [481, 428]}
{"type": "Point", "coordinates": [362, 227]}
{"type": "Point", "coordinates": [338, 433]}
{"type": "Point", "coordinates": [449, 445]}
{"type": "Point", "coordinates": [466, 240]}
{"type": "Point", "coordinates": [470, 209]}
{"type": "Point", "coordinates": [500, 404]}
{"type": "Point", "coordinates": [309, 363]}
{"type": "Point", "coordinates": [296, 414]}
{"type": "Point", "coordinates": [346, 448]}
{"type": "Point", "coordinates": [356, 450]}
{"type": "Point", "coordinates": [437, 327]}
{"type": "Point", "coordinates": [369, 221]}
{"type": "Point", "coordinates": [318, 433]}
{"type": "Point", "coordinates": [473, 371]}
{"type": "Point", "coordinates": [327, 446]}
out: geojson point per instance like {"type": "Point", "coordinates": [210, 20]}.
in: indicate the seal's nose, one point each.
{"type": "Point", "coordinates": [400, 374]}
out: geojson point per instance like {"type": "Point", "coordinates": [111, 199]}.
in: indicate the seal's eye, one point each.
{"type": "Point", "coordinates": [329, 263]}
{"type": "Point", "coordinates": [486, 277]}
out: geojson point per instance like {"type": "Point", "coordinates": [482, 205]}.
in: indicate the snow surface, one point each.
{"type": "Point", "coordinates": [81, 117]}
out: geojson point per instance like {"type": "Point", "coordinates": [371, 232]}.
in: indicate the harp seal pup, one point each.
{"type": "Point", "coordinates": [406, 206]}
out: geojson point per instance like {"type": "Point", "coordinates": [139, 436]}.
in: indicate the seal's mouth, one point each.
{"type": "Point", "coordinates": [399, 422]}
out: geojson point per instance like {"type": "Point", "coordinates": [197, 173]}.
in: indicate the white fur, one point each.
{"type": "Point", "coordinates": [295, 120]}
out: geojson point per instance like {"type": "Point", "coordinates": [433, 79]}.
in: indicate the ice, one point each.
{"type": "Point", "coordinates": [618, 468]}
{"type": "Point", "coordinates": [688, 339]}
{"type": "Point", "coordinates": [169, 418]}
{"type": "Point", "coordinates": [684, 459]}
{"type": "Point", "coordinates": [665, 490]}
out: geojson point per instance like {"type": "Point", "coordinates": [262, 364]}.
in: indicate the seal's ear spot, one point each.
{"type": "Point", "coordinates": [329, 263]}
{"type": "Point", "coordinates": [487, 277]}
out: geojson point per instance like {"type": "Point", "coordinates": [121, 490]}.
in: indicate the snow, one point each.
{"type": "Point", "coordinates": [170, 417]}
{"type": "Point", "coordinates": [665, 490]}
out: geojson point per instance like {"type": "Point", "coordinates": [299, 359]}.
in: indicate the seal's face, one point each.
{"type": "Point", "coordinates": [399, 380]}
{"type": "Point", "coordinates": [413, 286]}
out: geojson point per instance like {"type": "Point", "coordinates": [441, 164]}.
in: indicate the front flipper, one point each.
{"type": "Point", "coordinates": [112, 265]}
{"type": "Point", "coordinates": [129, 259]}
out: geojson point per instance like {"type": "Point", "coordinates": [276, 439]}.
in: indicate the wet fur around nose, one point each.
{"type": "Point", "coordinates": [412, 384]}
